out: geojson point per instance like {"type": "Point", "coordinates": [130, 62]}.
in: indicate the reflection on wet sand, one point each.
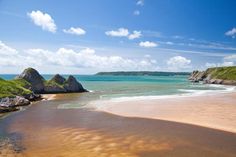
{"type": "Point", "coordinates": [44, 130]}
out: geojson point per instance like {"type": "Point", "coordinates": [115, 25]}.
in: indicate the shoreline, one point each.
{"type": "Point", "coordinates": [49, 96]}
{"type": "Point", "coordinates": [43, 126]}
{"type": "Point", "coordinates": [216, 111]}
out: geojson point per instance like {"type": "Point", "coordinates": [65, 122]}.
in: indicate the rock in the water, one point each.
{"type": "Point", "coordinates": [72, 85]}
{"type": "Point", "coordinates": [34, 78]}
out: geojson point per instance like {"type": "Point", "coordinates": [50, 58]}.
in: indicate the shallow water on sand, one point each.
{"type": "Point", "coordinates": [45, 130]}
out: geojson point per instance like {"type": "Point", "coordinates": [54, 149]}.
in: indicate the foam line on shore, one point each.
{"type": "Point", "coordinates": [189, 93]}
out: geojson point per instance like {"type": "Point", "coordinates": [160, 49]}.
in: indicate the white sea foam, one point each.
{"type": "Point", "coordinates": [187, 93]}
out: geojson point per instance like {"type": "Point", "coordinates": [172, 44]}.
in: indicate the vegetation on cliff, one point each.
{"type": "Point", "coordinates": [224, 73]}
{"type": "Point", "coordinates": [31, 81]}
{"type": "Point", "coordinates": [13, 88]}
{"type": "Point", "coordinates": [217, 75]}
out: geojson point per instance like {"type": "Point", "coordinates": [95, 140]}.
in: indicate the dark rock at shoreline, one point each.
{"type": "Point", "coordinates": [33, 97]}
{"type": "Point", "coordinates": [34, 78]}
{"type": "Point", "coordinates": [72, 85]}
{"type": "Point", "coordinates": [11, 104]}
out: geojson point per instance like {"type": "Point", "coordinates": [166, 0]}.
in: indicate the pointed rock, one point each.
{"type": "Point", "coordinates": [72, 85]}
{"type": "Point", "coordinates": [58, 79]}
{"type": "Point", "coordinates": [34, 78]}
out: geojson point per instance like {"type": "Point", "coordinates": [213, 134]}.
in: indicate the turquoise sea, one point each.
{"type": "Point", "coordinates": [137, 87]}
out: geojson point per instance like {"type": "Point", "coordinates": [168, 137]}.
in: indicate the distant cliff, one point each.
{"type": "Point", "coordinates": [142, 73]}
{"type": "Point", "coordinates": [218, 75]}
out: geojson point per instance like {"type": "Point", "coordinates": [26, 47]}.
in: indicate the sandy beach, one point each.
{"type": "Point", "coordinates": [45, 130]}
{"type": "Point", "coordinates": [216, 111]}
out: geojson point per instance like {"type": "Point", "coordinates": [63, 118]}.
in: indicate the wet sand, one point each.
{"type": "Point", "coordinates": [44, 130]}
{"type": "Point", "coordinates": [49, 96]}
{"type": "Point", "coordinates": [216, 111]}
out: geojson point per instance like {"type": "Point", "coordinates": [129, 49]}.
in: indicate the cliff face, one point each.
{"type": "Point", "coordinates": [218, 75]}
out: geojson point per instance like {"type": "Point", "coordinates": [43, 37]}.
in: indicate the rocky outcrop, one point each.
{"type": "Point", "coordinates": [219, 75]}
{"type": "Point", "coordinates": [72, 85]}
{"type": "Point", "coordinates": [10, 104]}
{"type": "Point", "coordinates": [197, 76]}
{"type": "Point", "coordinates": [34, 78]}
{"type": "Point", "coordinates": [58, 79]}
{"type": "Point", "coordinates": [57, 84]}
{"type": "Point", "coordinates": [30, 84]}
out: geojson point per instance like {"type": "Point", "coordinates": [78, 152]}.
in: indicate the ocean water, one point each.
{"type": "Point", "coordinates": [120, 88]}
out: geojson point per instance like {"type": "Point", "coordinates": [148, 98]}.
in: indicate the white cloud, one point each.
{"type": "Point", "coordinates": [230, 58]}
{"type": "Point", "coordinates": [231, 33]}
{"type": "Point", "coordinates": [43, 20]}
{"type": "Point", "coordinates": [223, 64]}
{"type": "Point", "coordinates": [6, 50]}
{"type": "Point", "coordinates": [148, 44]}
{"type": "Point", "coordinates": [76, 31]}
{"type": "Point", "coordinates": [169, 43]}
{"type": "Point", "coordinates": [140, 2]}
{"type": "Point", "coordinates": [136, 34]}
{"type": "Point", "coordinates": [121, 32]}
{"type": "Point", "coordinates": [136, 12]}
{"type": "Point", "coordinates": [227, 64]}
{"type": "Point", "coordinates": [178, 62]}
{"type": "Point", "coordinates": [85, 58]}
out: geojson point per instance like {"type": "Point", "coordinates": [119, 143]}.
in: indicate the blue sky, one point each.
{"type": "Point", "coordinates": [87, 36]}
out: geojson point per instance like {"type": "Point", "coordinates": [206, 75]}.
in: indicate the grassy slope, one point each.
{"type": "Point", "coordinates": [225, 73]}
{"type": "Point", "coordinates": [13, 87]}
{"type": "Point", "coordinates": [53, 83]}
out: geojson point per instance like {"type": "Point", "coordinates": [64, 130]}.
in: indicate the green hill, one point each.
{"type": "Point", "coordinates": [224, 73]}
{"type": "Point", "coordinates": [13, 87]}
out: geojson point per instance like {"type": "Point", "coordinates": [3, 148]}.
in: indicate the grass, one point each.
{"type": "Point", "coordinates": [53, 83]}
{"type": "Point", "coordinates": [225, 73]}
{"type": "Point", "coordinates": [13, 87]}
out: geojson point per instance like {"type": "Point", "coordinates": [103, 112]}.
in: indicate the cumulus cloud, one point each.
{"type": "Point", "coordinates": [136, 12]}
{"type": "Point", "coordinates": [75, 31]}
{"type": "Point", "coordinates": [43, 20]}
{"type": "Point", "coordinates": [140, 2]}
{"type": "Point", "coordinates": [231, 33]}
{"type": "Point", "coordinates": [223, 64]}
{"type": "Point", "coordinates": [121, 32]}
{"type": "Point", "coordinates": [178, 62]}
{"type": "Point", "coordinates": [230, 58]}
{"type": "Point", "coordinates": [148, 44]}
{"type": "Point", "coordinates": [6, 50]}
{"type": "Point", "coordinates": [134, 35]}
{"type": "Point", "coordinates": [86, 58]}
